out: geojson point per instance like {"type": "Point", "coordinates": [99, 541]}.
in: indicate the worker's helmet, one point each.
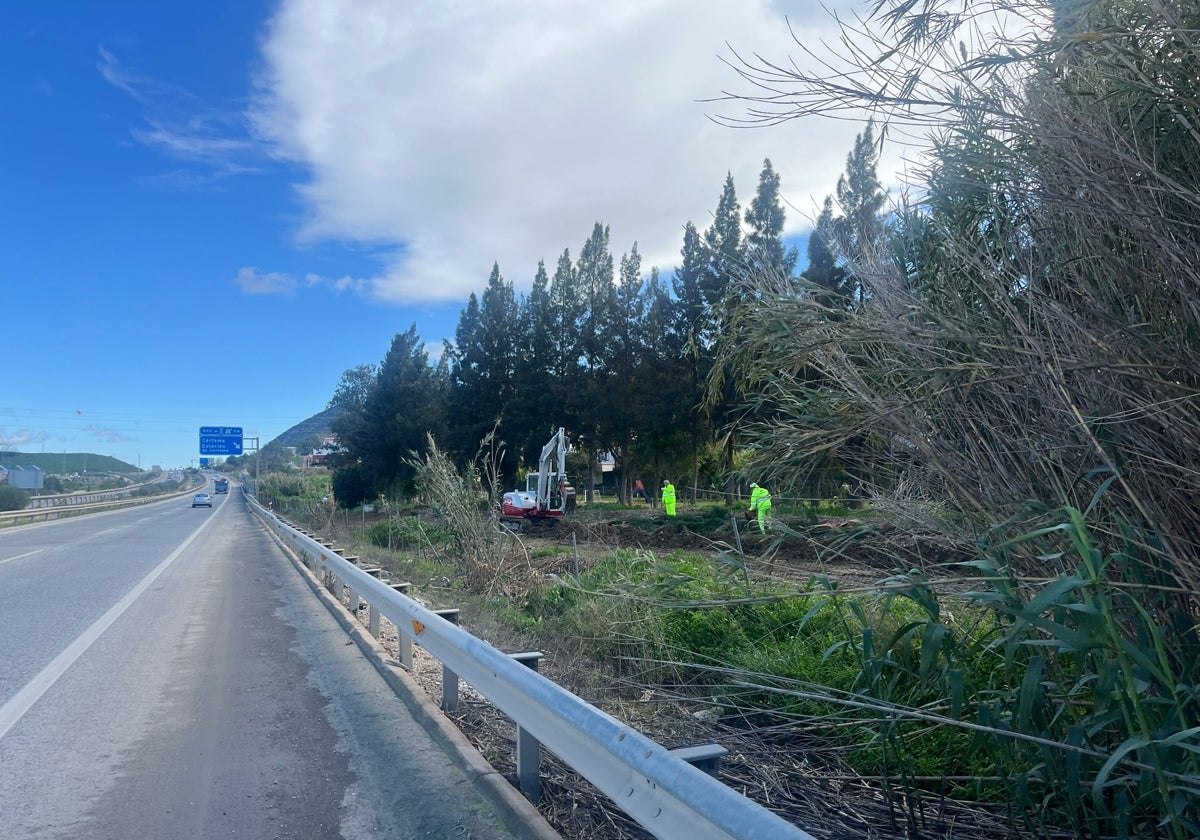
{"type": "Point", "coordinates": [752, 484]}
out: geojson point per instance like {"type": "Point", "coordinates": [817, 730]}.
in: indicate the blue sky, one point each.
{"type": "Point", "coordinates": [209, 211]}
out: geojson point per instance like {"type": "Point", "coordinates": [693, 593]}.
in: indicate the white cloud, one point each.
{"type": "Point", "coordinates": [107, 434]}
{"type": "Point", "coordinates": [254, 282]}
{"type": "Point", "coordinates": [211, 141]}
{"type": "Point", "coordinates": [463, 134]}
{"type": "Point", "coordinates": [21, 437]}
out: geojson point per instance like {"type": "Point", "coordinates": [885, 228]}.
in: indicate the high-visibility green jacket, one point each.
{"type": "Point", "coordinates": [760, 499]}
{"type": "Point", "coordinates": [668, 493]}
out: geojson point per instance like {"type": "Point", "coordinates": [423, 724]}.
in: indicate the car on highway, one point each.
{"type": "Point", "coordinates": [202, 500]}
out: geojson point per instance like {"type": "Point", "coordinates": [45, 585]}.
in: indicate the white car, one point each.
{"type": "Point", "coordinates": [202, 500]}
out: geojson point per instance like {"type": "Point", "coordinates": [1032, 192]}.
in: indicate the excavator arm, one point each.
{"type": "Point", "coordinates": [554, 454]}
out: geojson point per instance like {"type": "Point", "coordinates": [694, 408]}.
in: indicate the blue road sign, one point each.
{"type": "Point", "coordinates": [220, 440]}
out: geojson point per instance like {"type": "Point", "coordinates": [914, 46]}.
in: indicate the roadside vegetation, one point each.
{"type": "Point", "coordinates": [982, 392]}
{"type": "Point", "coordinates": [13, 498]}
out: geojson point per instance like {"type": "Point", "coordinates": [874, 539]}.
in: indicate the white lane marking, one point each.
{"type": "Point", "coordinates": [23, 700]}
{"type": "Point", "coordinates": [105, 531]}
{"type": "Point", "coordinates": [19, 556]}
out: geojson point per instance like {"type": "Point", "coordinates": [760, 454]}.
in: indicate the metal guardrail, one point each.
{"type": "Point", "coordinates": [85, 503]}
{"type": "Point", "coordinates": [82, 497]}
{"type": "Point", "coordinates": [656, 787]}
{"type": "Point", "coordinates": [15, 517]}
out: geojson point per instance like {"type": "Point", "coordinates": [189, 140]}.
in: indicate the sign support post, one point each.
{"type": "Point", "coordinates": [253, 449]}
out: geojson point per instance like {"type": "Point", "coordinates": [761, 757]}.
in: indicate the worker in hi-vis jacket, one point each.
{"type": "Point", "coordinates": [668, 496]}
{"type": "Point", "coordinates": [760, 501]}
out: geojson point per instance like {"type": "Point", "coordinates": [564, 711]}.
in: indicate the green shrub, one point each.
{"type": "Point", "coordinates": [13, 498]}
{"type": "Point", "coordinates": [283, 485]}
{"type": "Point", "coordinates": [404, 533]}
{"type": "Point", "coordinates": [1101, 664]}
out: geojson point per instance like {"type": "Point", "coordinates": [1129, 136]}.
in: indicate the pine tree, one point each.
{"type": "Point", "coordinates": [534, 410]}
{"type": "Point", "coordinates": [405, 405]}
{"type": "Point", "coordinates": [860, 228]}
{"type": "Point", "coordinates": [726, 267]}
{"type": "Point", "coordinates": [824, 270]}
{"type": "Point", "coordinates": [726, 251]}
{"type": "Point", "coordinates": [693, 324]}
{"type": "Point", "coordinates": [669, 420]}
{"type": "Point", "coordinates": [766, 216]}
{"type": "Point", "coordinates": [563, 353]}
{"type": "Point", "coordinates": [354, 387]}
{"type": "Point", "coordinates": [597, 295]}
{"type": "Point", "coordinates": [618, 420]}
{"type": "Point", "coordinates": [482, 368]}
{"type": "Point", "coordinates": [687, 286]}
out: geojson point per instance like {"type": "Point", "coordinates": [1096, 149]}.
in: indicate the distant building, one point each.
{"type": "Point", "coordinates": [27, 477]}
{"type": "Point", "coordinates": [318, 457]}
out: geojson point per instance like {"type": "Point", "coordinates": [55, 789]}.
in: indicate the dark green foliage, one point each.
{"type": "Point", "coordinates": [483, 371]}
{"type": "Point", "coordinates": [274, 457]}
{"type": "Point", "coordinates": [12, 498]}
{"type": "Point", "coordinates": [725, 251]}
{"type": "Point", "coordinates": [405, 404]}
{"type": "Point", "coordinates": [1102, 659]}
{"type": "Point", "coordinates": [352, 485]}
{"type": "Point", "coordinates": [535, 408]}
{"type": "Point", "coordinates": [404, 533]}
{"type": "Point", "coordinates": [282, 484]}
{"type": "Point", "coordinates": [725, 268]}
{"type": "Point", "coordinates": [1026, 331]}
{"type": "Point", "coordinates": [354, 387]}
{"type": "Point", "coordinates": [860, 230]}
{"type": "Point", "coordinates": [595, 328]}
{"type": "Point", "coordinates": [620, 419]}
{"type": "Point", "coordinates": [824, 271]}
{"type": "Point", "coordinates": [765, 216]}
{"type": "Point", "coordinates": [697, 347]}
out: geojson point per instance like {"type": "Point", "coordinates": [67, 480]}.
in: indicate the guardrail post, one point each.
{"type": "Point", "coordinates": [372, 610]}
{"type": "Point", "coordinates": [449, 678]}
{"type": "Point", "coordinates": [706, 757]}
{"type": "Point", "coordinates": [529, 749]}
{"type": "Point", "coordinates": [354, 600]}
{"type": "Point", "coordinates": [403, 640]}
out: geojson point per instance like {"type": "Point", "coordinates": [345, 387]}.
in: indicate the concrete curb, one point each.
{"type": "Point", "coordinates": [518, 813]}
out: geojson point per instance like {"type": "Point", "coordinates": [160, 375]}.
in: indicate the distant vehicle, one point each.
{"type": "Point", "coordinates": [202, 500]}
{"type": "Point", "coordinates": [222, 485]}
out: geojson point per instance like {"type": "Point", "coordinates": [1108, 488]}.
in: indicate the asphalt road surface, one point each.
{"type": "Point", "coordinates": [165, 673]}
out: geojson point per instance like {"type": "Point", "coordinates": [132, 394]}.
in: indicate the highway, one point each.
{"type": "Point", "coordinates": [165, 673]}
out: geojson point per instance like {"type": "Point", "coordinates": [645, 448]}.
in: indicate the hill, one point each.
{"type": "Point", "coordinates": [60, 463]}
{"type": "Point", "coordinates": [318, 426]}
